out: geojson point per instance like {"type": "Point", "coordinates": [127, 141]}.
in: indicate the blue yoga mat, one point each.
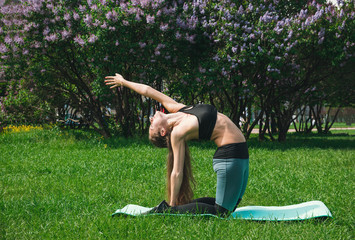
{"type": "Point", "coordinates": [302, 211]}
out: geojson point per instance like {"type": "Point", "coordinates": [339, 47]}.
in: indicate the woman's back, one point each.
{"type": "Point", "coordinates": [226, 132]}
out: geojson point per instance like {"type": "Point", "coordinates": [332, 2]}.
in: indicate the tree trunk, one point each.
{"type": "Point", "coordinates": [327, 128]}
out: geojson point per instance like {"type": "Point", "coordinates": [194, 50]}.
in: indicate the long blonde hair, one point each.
{"type": "Point", "coordinates": [186, 193]}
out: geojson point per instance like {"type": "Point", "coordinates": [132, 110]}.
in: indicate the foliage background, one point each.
{"type": "Point", "coordinates": [261, 62]}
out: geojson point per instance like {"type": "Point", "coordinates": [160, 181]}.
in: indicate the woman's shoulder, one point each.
{"type": "Point", "coordinates": [187, 128]}
{"type": "Point", "coordinates": [177, 107]}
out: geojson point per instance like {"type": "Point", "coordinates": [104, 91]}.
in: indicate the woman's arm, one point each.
{"type": "Point", "coordinates": [177, 174]}
{"type": "Point", "coordinates": [170, 104]}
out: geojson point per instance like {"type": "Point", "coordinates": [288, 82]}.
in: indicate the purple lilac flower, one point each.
{"type": "Point", "coordinates": [66, 16]}
{"type": "Point", "coordinates": [96, 23]}
{"type": "Point", "coordinates": [50, 6]}
{"type": "Point", "coordinates": [234, 49]}
{"type": "Point", "coordinates": [18, 40]}
{"type": "Point", "coordinates": [117, 43]}
{"type": "Point", "coordinates": [224, 72]}
{"type": "Point", "coordinates": [112, 15]}
{"type": "Point", "coordinates": [278, 30]}
{"type": "Point", "coordinates": [8, 40]}
{"type": "Point", "coordinates": [216, 58]}
{"type": "Point", "coordinates": [309, 21]}
{"type": "Point", "coordinates": [46, 31]}
{"type": "Point", "coordinates": [290, 32]}
{"type": "Point", "coordinates": [164, 27]}
{"type": "Point", "coordinates": [88, 20]}
{"type": "Point", "coordinates": [228, 15]}
{"type": "Point", "coordinates": [150, 19]}
{"type": "Point", "coordinates": [138, 17]}
{"type": "Point", "coordinates": [3, 48]}
{"type": "Point", "coordinates": [65, 34]}
{"type": "Point", "coordinates": [318, 14]}
{"type": "Point", "coordinates": [93, 7]}
{"type": "Point", "coordinates": [248, 29]}
{"type": "Point", "coordinates": [185, 7]}
{"type": "Point", "coordinates": [177, 35]}
{"type": "Point", "coordinates": [160, 46]}
{"type": "Point", "coordinates": [92, 38]}
{"type": "Point", "coordinates": [201, 69]}
{"type": "Point", "coordinates": [79, 40]}
{"type": "Point", "coordinates": [321, 33]}
{"type": "Point", "coordinates": [260, 49]}
{"type": "Point", "coordinates": [36, 44]}
{"type": "Point", "coordinates": [104, 25]}
{"type": "Point", "coordinates": [192, 22]}
{"type": "Point", "coordinates": [267, 17]}
{"type": "Point", "coordinates": [76, 16]}
{"type": "Point", "coordinates": [142, 44]}
{"type": "Point", "coordinates": [51, 38]}
{"type": "Point", "coordinates": [82, 8]}
{"type": "Point", "coordinates": [190, 38]}
{"type": "Point", "coordinates": [321, 40]}
{"type": "Point", "coordinates": [240, 10]}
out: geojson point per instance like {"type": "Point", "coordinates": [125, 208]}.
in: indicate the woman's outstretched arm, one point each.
{"type": "Point", "coordinates": [170, 104]}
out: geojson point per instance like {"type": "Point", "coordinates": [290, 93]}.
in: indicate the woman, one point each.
{"type": "Point", "coordinates": [184, 123]}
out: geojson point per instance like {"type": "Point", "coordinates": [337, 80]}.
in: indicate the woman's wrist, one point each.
{"type": "Point", "coordinates": [124, 82]}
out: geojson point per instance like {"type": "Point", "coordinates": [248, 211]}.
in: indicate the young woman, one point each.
{"type": "Point", "coordinates": [184, 123]}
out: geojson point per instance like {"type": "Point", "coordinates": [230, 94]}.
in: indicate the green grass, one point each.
{"type": "Point", "coordinates": [65, 185]}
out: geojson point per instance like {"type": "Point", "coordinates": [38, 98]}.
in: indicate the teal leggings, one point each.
{"type": "Point", "coordinates": [232, 178]}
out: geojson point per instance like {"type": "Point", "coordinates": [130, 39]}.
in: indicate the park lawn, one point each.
{"type": "Point", "coordinates": [66, 184]}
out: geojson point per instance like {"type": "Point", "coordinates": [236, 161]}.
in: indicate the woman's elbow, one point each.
{"type": "Point", "coordinates": [177, 175]}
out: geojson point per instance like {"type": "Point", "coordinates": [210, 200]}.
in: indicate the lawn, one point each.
{"type": "Point", "coordinates": [65, 184]}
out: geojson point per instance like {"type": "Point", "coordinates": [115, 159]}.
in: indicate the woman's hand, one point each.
{"type": "Point", "coordinates": [115, 81]}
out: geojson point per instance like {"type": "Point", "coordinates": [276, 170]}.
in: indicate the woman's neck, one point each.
{"type": "Point", "coordinates": [174, 119]}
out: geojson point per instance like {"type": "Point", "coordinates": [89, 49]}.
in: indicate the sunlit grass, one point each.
{"type": "Point", "coordinates": [65, 184]}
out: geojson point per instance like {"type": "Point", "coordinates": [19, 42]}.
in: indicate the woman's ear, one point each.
{"type": "Point", "coordinates": [162, 132]}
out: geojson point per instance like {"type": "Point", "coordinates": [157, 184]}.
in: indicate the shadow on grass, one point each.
{"type": "Point", "coordinates": [312, 140]}
{"type": "Point", "coordinates": [294, 140]}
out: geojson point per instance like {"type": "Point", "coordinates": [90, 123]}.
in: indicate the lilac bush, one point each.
{"type": "Point", "coordinates": [256, 61]}
{"type": "Point", "coordinates": [270, 61]}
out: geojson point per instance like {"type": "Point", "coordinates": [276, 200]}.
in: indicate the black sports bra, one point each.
{"type": "Point", "coordinates": [207, 117]}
